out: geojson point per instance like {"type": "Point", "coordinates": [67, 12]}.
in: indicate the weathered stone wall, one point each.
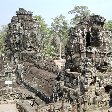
{"type": "Point", "coordinates": [23, 51]}
{"type": "Point", "coordinates": [88, 64]}
{"type": "Point", "coordinates": [21, 42]}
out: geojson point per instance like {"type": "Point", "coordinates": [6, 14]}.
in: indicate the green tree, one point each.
{"type": "Point", "coordinates": [42, 34]}
{"type": "Point", "coordinates": [3, 33]}
{"type": "Point", "coordinates": [108, 25]}
{"type": "Point", "coordinates": [59, 28]}
{"type": "Point", "coordinates": [42, 28]}
{"type": "Point", "coordinates": [45, 36]}
{"type": "Point", "coordinates": [79, 12]}
{"type": "Point", "coordinates": [49, 51]}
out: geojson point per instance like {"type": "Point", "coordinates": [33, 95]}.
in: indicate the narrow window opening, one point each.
{"type": "Point", "coordinates": [88, 39]}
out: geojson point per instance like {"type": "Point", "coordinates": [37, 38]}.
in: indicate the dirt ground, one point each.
{"type": "Point", "coordinates": [8, 108]}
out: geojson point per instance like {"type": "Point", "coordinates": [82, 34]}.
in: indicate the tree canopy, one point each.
{"type": "Point", "coordinates": [108, 25]}
{"type": "Point", "coordinates": [79, 12]}
{"type": "Point", "coordinates": [3, 33]}
{"type": "Point", "coordinates": [59, 28]}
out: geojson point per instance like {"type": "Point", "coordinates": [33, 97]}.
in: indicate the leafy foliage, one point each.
{"type": "Point", "coordinates": [59, 28]}
{"type": "Point", "coordinates": [42, 34]}
{"type": "Point", "coordinates": [79, 12]}
{"type": "Point", "coordinates": [108, 25]}
{"type": "Point", "coordinates": [3, 33]}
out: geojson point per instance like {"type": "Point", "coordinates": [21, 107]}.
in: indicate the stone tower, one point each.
{"type": "Point", "coordinates": [88, 64]}
{"type": "Point", "coordinates": [21, 40]}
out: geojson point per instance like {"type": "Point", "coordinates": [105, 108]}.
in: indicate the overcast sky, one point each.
{"type": "Point", "coordinates": [51, 8]}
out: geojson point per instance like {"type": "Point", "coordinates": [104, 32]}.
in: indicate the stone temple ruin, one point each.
{"type": "Point", "coordinates": [89, 64]}
{"type": "Point", "coordinates": [23, 53]}
{"type": "Point", "coordinates": [86, 80]}
{"type": "Point", "coordinates": [21, 42]}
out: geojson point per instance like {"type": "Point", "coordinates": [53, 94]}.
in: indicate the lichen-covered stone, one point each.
{"type": "Point", "coordinates": [88, 63]}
